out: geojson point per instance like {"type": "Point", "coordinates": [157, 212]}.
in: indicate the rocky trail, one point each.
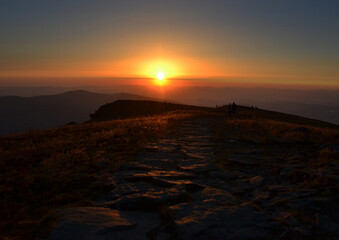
{"type": "Point", "coordinates": [176, 189]}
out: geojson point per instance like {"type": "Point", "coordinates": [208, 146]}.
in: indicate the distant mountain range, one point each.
{"type": "Point", "coordinates": [18, 114]}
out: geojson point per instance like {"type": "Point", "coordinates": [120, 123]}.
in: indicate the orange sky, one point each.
{"type": "Point", "coordinates": [218, 43]}
{"type": "Point", "coordinates": [149, 62]}
{"type": "Point", "coordinates": [187, 69]}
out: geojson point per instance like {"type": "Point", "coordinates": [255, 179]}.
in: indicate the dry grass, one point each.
{"type": "Point", "coordinates": [269, 130]}
{"type": "Point", "coordinates": [293, 151]}
{"type": "Point", "coordinates": [307, 144]}
{"type": "Point", "coordinates": [314, 141]}
{"type": "Point", "coordinates": [44, 170]}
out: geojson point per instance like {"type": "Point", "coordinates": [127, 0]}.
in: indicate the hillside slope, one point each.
{"type": "Point", "coordinates": [133, 108]}
{"type": "Point", "coordinates": [255, 161]}
{"type": "Point", "coordinates": [121, 109]}
{"type": "Point", "coordinates": [262, 114]}
{"type": "Point", "coordinates": [44, 170]}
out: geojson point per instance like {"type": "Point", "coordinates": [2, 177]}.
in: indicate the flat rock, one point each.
{"type": "Point", "coordinates": [148, 226]}
{"type": "Point", "coordinates": [257, 180]}
{"type": "Point", "coordinates": [287, 170]}
{"type": "Point", "coordinates": [150, 179]}
{"type": "Point", "coordinates": [125, 173]}
{"type": "Point", "coordinates": [158, 156]}
{"type": "Point", "coordinates": [275, 189]}
{"type": "Point", "coordinates": [154, 164]}
{"type": "Point", "coordinates": [171, 174]}
{"type": "Point", "coordinates": [162, 145]}
{"type": "Point", "coordinates": [200, 167]}
{"type": "Point", "coordinates": [152, 199]}
{"type": "Point", "coordinates": [220, 174]}
{"type": "Point", "coordinates": [242, 160]}
{"type": "Point", "coordinates": [304, 205]}
{"type": "Point", "coordinates": [241, 222]}
{"type": "Point", "coordinates": [214, 196]}
{"type": "Point", "coordinates": [261, 197]}
{"type": "Point", "coordinates": [328, 223]}
{"type": "Point", "coordinates": [136, 166]}
{"type": "Point", "coordinates": [191, 186]}
{"type": "Point", "coordinates": [137, 187]}
{"type": "Point", "coordinates": [198, 155]}
{"type": "Point", "coordinates": [89, 223]}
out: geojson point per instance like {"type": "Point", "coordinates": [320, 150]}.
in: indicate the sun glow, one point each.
{"type": "Point", "coordinates": [160, 79]}
{"type": "Point", "coordinates": [161, 71]}
{"type": "Point", "coordinates": [160, 76]}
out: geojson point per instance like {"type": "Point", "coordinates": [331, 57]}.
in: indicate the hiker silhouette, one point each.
{"type": "Point", "coordinates": [229, 109]}
{"type": "Point", "coordinates": [234, 108]}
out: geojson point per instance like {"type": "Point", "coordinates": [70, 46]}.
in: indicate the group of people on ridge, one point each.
{"type": "Point", "coordinates": [232, 108]}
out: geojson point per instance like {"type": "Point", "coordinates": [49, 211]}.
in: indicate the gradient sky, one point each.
{"type": "Point", "coordinates": [244, 41]}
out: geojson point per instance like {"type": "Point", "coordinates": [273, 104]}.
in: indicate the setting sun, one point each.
{"type": "Point", "coordinates": [160, 76]}
{"type": "Point", "coordinates": [160, 69]}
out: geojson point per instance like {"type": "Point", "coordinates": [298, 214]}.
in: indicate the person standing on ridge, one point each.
{"type": "Point", "coordinates": [234, 108]}
{"type": "Point", "coordinates": [229, 109]}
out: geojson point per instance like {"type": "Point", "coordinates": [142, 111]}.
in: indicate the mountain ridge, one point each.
{"type": "Point", "coordinates": [20, 114]}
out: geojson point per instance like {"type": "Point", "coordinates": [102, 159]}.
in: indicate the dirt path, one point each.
{"type": "Point", "coordinates": [175, 190]}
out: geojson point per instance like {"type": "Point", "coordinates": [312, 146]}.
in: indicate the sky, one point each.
{"type": "Point", "coordinates": [243, 42]}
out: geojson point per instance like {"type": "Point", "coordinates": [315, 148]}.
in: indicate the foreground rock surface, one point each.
{"type": "Point", "coordinates": [177, 190]}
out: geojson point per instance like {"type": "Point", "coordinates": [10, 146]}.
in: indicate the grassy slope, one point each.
{"type": "Point", "coordinates": [306, 148]}
{"type": "Point", "coordinates": [131, 108]}
{"type": "Point", "coordinates": [260, 114]}
{"type": "Point", "coordinates": [44, 170]}
{"type": "Point", "coordinates": [270, 125]}
{"type": "Point", "coordinates": [315, 140]}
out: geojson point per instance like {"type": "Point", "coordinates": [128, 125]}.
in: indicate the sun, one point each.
{"type": "Point", "coordinates": [159, 71]}
{"type": "Point", "coordinates": [160, 76]}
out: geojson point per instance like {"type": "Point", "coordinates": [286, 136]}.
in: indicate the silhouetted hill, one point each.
{"type": "Point", "coordinates": [322, 112]}
{"type": "Point", "coordinates": [261, 114]}
{"type": "Point", "coordinates": [31, 113]}
{"type": "Point", "coordinates": [132, 108]}
{"type": "Point", "coordinates": [316, 104]}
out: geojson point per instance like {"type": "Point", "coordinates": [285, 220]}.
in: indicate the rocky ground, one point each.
{"type": "Point", "coordinates": [198, 184]}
